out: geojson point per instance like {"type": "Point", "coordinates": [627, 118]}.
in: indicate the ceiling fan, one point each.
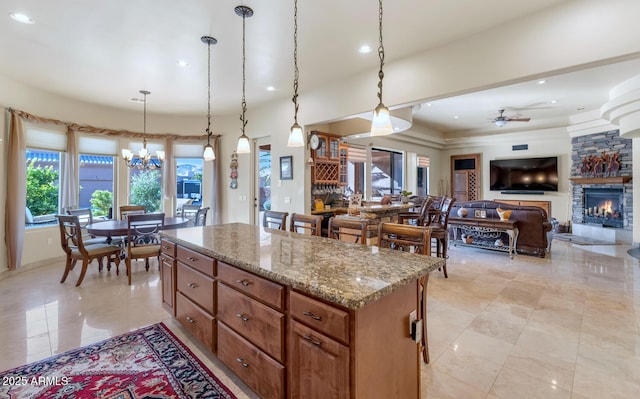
{"type": "Point", "coordinates": [502, 120]}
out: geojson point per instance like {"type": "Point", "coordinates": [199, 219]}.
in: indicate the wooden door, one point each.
{"type": "Point", "coordinates": [319, 366]}
{"type": "Point", "coordinates": [465, 177]}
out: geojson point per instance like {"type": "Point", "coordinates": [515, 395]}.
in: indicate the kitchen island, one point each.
{"type": "Point", "coordinates": [298, 316]}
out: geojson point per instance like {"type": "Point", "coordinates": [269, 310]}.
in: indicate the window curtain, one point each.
{"type": "Point", "coordinates": [216, 199]}
{"type": "Point", "coordinates": [69, 191]}
{"type": "Point", "coordinates": [15, 202]}
{"type": "Point", "coordinates": [169, 174]}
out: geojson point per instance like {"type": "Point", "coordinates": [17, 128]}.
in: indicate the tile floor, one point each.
{"type": "Point", "coordinates": [566, 326]}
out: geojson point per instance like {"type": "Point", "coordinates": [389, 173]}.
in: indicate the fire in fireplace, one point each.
{"type": "Point", "coordinates": [604, 206]}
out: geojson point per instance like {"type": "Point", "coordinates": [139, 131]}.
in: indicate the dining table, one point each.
{"type": "Point", "coordinates": [118, 228]}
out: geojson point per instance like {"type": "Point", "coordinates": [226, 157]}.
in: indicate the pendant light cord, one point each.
{"type": "Point", "coordinates": [144, 121]}
{"type": "Point", "coordinates": [380, 52]}
{"type": "Point", "coordinates": [295, 62]}
{"type": "Point", "coordinates": [244, 101]}
{"type": "Point", "coordinates": [209, 93]}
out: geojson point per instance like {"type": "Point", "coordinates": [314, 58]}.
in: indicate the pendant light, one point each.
{"type": "Point", "coordinates": [208, 154]}
{"type": "Point", "coordinates": [143, 160]}
{"type": "Point", "coordinates": [296, 138]}
{"type": "Point", "coordinates": [381, 122]}
{"type": "Point", "coordinates": [243, 142]}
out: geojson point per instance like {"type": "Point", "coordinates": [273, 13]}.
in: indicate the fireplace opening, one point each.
{"type": "Point", "coordinates": [604, 206]}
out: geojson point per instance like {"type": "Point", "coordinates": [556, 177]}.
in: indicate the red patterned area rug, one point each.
{"type": "Point", "coordinates": [149, 363]}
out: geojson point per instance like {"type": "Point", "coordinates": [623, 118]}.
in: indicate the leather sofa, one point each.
{"type": "Point", "coordinates": [533, 223]}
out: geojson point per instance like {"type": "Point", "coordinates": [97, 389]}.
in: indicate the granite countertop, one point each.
{"type": "Point", "coordinates": [350, 275]}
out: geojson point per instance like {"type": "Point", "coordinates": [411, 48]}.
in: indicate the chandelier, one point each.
{"type": "Point", "coordinates": [208, 154]}
{"type": "Point", "coordinates": [296, 138]}
{"type": "Point", "coordinates": [144, 159]}
{"type": "Point", "coordinates": [381, 122]}
{"type": "Point", "coordinates": [243, 142]}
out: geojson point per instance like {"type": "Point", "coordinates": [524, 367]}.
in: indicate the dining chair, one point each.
{"type": "Point", "coordinates": [189, 210]}
{"type": "Point", "coordinates": [439, 226]}
{"type": "Point", "coordinates": [85, 216]}
{"type": "Point", "coordinates": [306, 224]}
{"type": "Point", "coordinates": [126, 210]}
{"type": "Point", "coordinates": [420, 218]}
{"type": "Point", "coordinates": [201, 217]}
{"type": "Point", "coordinates": [417, 240]}
{"type": "Point", "coordinates": [275, 220]}
{"type": "Point", "coordinates": [73, 245]}
{"type": "Point", "coordinates": [143, 239]}
{"type": "Point", "coordinates": [349, 230]}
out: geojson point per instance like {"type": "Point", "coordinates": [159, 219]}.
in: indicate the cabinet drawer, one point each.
{"type": "Point", "coordinates": [324, 318]}
{"type": "Point", "coordinates": [258, 323]}
{"type": "Point", "coordinates": [169, 248]}
{"type": "Point", "coordinates": [263, 374]}
{"type": "Point", "coordinates": [196, 286]}
{"type": "Point", "coordinates": [197, 321]}
{"type": "Point", "coordinates": [198, 261]}
{"type": "Point", "coordinates": [266, 291]}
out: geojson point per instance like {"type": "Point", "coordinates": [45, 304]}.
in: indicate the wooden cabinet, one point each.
{"type": "Point", "coordinates": [251, 329]}
{"type": "Point", "coordinates": [343, 169]}
{"type": "Point", "coordinates": [195, 294]}
{"type": "Point", "coordinates": [318, 365]}
{"type": "Point", "coordinates": [465, 177]}
{"type": "Point", "coordinates": [330, 160]}
{"type": "Point", "coordinates": [263, 374]}
{"type": "Point", "coordinates": [287, 344]}
{"type": "Point", "coordinates": [322, 152]}
{"type": "Point", "coordinates": [168, 275]}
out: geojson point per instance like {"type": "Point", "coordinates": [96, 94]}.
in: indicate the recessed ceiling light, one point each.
{"type": "Point", "coordinates": [580, 109]}
{"type": "Point", "coordinates": [456, 117]}
{"type": "Point", "coordinates": [25, 19]}
{"type": "Point", "coordinates": [182, 63]}
{"type": "Point", "coordinates": [541, 82]}
{"type": "Point", "coordinates": [365, 49]}
{"type": "Point", "coordinates": [136, 100]}
{"type": "Point", "coordinates": [428, 104]}
{"type": "Point", "coordinates": [271, 88]}
{"type": "Point", "coordinates": [553, 101]}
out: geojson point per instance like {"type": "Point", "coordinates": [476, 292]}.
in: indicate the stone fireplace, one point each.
{"type": "Point", "coordinates": [604, 201]}
{"type": "Point", "coordinates": [604, 206]}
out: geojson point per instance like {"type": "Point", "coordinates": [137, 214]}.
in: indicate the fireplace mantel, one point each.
{"type": "Point", "coordinates": [601, 180]}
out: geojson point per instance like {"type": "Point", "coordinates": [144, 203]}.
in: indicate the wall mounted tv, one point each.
{"type": "Point", "coordinates": [524, 175]}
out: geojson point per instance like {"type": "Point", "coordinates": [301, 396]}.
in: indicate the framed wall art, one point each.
{"type": "Point", "coordinates": [286, 168]}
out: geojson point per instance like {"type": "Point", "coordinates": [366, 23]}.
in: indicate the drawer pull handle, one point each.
{"type": "Point", "coordinates": [310, 339]}
{"type": "Point", "coordinates": [192, 285]}
{"type": "Point", "coordinates": [313, 316]}
{"type": "Point", "coordinates": [192, 259]}
{"type": "Point", "coordinates": [190, 320]}
{"type": "Point", "coordinates": [242, 317]}
{"type": "Point", "coordinates": [243, 282]}
{"type": "Point", "coordinates": [242, 362]}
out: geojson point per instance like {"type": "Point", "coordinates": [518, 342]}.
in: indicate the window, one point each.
{"type": "Point", "coordinates": [189, 179]}
{"type": "Point", "coordinates": [96, 183]}
{"type": "Point", "coordinates": [422, 184]}
{"type": "Point", "coordinates": [43, 186]}
{"type": "Point", "coordinates": [44, 165]}
{"type": "Point", "coordinates": [356, 177]}
{"type": "Point", "coordinates": [96, 169]}
{"type": "Point", "coordinates": [386, 172]}
{"type": "Point", "coordinates": [145, 185]}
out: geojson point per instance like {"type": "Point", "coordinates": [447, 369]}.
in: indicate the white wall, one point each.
{"type": "Point", "coordinates": [551, 142]}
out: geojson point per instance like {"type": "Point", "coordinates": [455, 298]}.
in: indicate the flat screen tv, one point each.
{"type": "Point", "coordinates": [528, 174]}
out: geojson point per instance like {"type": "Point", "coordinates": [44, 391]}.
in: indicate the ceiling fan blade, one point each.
{"type": "Point", "coordinates": [519, 120]}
